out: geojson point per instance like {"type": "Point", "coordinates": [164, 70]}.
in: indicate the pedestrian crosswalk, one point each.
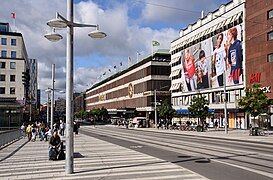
{"type": "Point", "coordinates": [94, 159]}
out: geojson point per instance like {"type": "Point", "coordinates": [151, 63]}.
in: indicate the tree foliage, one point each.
{"type": "Point", "coordinates": [98, 112]}
{"type": "Point", "coordinates": [165, 110]}
{"type": "Point", "coordinates": [81, 114]}
{"type": "Point", "coordinates": [199, 108]}
{"type": "Point", "coordinates": [255, 102]}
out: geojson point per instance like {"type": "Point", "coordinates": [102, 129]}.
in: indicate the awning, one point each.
{"type": "Point", "coordinates": [186, 111]}
{"type": "Point", "coordinates": [174, 60]}
{"type": "Point", "coordinates": [238, 16]}
{"type": "Point", "coordinates": [175, 73]}
{"type": "Point", "coordinates": [229, 20]}
{"type": "Point", "coordinates": [196, 36]}
{"type": "Point", "coordinates": [203, 33]}
{"type": "Point", "coordinates": [209, 30]}
{"type": "Point", "coordinates": [175, 86]}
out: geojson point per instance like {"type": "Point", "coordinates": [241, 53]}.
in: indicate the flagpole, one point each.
{"type": "Point", "coordinates": [13, 16]}
{"type": "Point", "coordinates": [15, 29]}
{"type": "Point", "coordinates": [152, 50]}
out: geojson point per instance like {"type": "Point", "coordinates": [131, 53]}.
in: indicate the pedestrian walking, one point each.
{"type": "Point", "coordinates": [216, 125]}
{"type": "Point", "coordinates": [34, 133]}
{"type": "Point", "coordinates": [28, 131]}
{"type": "Point", "coordinates": [62, 128]}
{"type": "Point", "coordinates": [23, 130]}
{"type": "Point", "coordinates": [76, 127]}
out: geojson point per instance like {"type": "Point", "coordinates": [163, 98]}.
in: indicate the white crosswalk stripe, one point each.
{"type": "Point", "coordinates": [95, 159]}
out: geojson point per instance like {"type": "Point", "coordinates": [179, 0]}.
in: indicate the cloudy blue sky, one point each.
{"type": "Point", "coordinates": [131, 25]}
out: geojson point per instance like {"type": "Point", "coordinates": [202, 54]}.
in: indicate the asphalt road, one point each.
{"type": "Point", "coordinates": [213, 158]}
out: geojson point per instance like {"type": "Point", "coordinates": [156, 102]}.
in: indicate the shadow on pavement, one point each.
{"type": "Point", "coordinates": [13, 152]}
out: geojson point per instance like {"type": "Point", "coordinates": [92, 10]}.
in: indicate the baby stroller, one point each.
{"type": "Point", "coordinates": [56, 152]}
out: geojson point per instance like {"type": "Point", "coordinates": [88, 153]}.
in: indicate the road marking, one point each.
{"type": "Point", "coordinates": [136, 147]}
{"type": "Point", "coordinates": [245, 168]}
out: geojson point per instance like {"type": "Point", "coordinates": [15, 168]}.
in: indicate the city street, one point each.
{"type": "Point", "coordinates": [212, 157]}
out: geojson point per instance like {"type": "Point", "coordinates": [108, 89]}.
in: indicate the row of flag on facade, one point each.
{"type": "Point", "coordinates": [154, 43]}
{"type": "Point", "coordinates": [115, 67]}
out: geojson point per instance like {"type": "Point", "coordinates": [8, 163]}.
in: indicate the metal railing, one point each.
{"type": "Point", "coordinates": [8, 136]}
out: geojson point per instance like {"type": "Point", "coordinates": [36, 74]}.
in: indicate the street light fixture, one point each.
{"type": "Point", "coordinates": [61, 22]}
{"type": "Point", "coordinates": [53, 37]}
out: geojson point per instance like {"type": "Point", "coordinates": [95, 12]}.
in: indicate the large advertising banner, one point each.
{"type": "Point", "coordinates": [204, 64]}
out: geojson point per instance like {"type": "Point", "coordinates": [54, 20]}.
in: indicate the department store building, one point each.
{"type": "Point", "coordinates": [131, 92]}
{"type": "Point", "coordinates": [230, 47]}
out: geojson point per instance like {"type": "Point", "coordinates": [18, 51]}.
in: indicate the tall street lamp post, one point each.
{"type": "Point", "coordinates": [225, 103]}
{"type": "Point", "coordinates": [61, 22]}
{"type": "Point", "coordinates": [52, 98]}
{"type": "Point", "coordinates": [155, 109]}
{"type": "Point", "coordinates": [47, 108]}
{"type": "Point", "coordinates": [51, 92]}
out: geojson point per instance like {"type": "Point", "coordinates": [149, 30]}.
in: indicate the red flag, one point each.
{"type": "Point", "coordinates": [13, 15]}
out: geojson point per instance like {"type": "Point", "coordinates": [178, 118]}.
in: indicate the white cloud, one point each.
{"type": "Point", "coordinates": [123, 39]}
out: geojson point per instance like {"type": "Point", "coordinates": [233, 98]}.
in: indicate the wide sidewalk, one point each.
{"type": "Point", "coordinates": [233, 134]}
{"type": "Point", "coordinates": [94, 159]}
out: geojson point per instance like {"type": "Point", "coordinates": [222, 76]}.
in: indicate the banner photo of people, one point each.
{"type": "Point", "coordinates": [204, 64]}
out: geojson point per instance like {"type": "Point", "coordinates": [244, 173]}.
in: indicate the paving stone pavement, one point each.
{"type": "Point", "coordinates": [94, 159]}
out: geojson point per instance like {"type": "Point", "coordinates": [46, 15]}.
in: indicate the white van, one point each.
{"type": "Point", "coordinates": [138, 121]}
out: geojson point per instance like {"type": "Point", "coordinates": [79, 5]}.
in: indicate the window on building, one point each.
{"type": "Point", "coordinates": [270, 36]}
{"type": "Point", "coordinates": [2, 90]}
{"type": "Point", "coordinates": [4, 27]}
{"type": "Point", "coordinates": [12, 90]}
{"type": "Point", "coordinates": [12, 78]}
{"type": "Point", "coordinates": [270, 57]}
{"type": "Point", "coordinates": [270, 14]}
{"type": "Point", "coordinates": [13, 54]}
{"type": "Point", "coordinates": [13, 42]}
{"type": "Point", "coordinates": [12, 65]}
{"type": "Point", "coordinates": [3, 41]}
{"type": "Point", "coordinates": [2, 65]}
{"type": "Point", "coordinates": [4, 53]}
{"type": "Point", "coordinates": [2, 77]}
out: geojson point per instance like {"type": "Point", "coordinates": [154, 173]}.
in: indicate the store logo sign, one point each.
{"type": "Point", "coordinates": [255, 78]}
{"type": "Point", "coordinates": [266, 89]}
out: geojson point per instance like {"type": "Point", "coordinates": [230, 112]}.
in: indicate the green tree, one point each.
{"type": "Point", "coordinates": [81, 114]}
{"type": "Point", "coordinates": [103, 113]}
{"type": "Point", "coordinates": [165, 110]}
{"type": "Point", "coordinates": [255, 102]}
{"type": "Point", "coordinates": [199, 109]}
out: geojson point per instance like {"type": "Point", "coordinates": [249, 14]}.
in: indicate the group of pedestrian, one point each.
{"type": "Point", "coordinates": [34, 130]}
{"type": "Point", "coordinates": [60, 127]}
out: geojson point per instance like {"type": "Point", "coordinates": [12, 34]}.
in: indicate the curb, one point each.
{"type": "Point", "coordinates": [206, 136]}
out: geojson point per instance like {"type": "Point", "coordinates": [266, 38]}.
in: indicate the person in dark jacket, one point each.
{"type": "Point", "coordinates": [55, 140]}
{"type": "Point", "coordinates": [55, 146]}
{"type": "Point", "coordinates": [76, 127]}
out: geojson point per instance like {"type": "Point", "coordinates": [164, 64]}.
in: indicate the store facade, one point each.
{"type": "Point", "coordinates": [209, 56]}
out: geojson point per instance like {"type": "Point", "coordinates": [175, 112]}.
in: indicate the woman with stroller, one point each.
{"type": "Point", "coordinates": [55, 146]}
